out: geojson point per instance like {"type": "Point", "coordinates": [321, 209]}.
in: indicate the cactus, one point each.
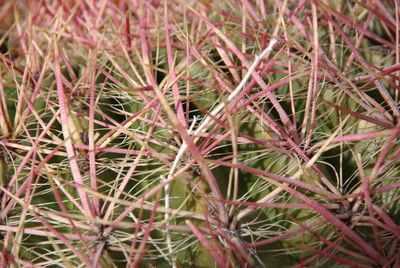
{"type": "Point", "coordinates": [199, 133]}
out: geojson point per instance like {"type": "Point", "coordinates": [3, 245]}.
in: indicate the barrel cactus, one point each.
{"type": "Point", "coordinates": [199, 133]}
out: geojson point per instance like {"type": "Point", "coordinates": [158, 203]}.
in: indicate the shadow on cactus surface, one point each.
{"type": "Point", "coordinates": [200, 133]}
